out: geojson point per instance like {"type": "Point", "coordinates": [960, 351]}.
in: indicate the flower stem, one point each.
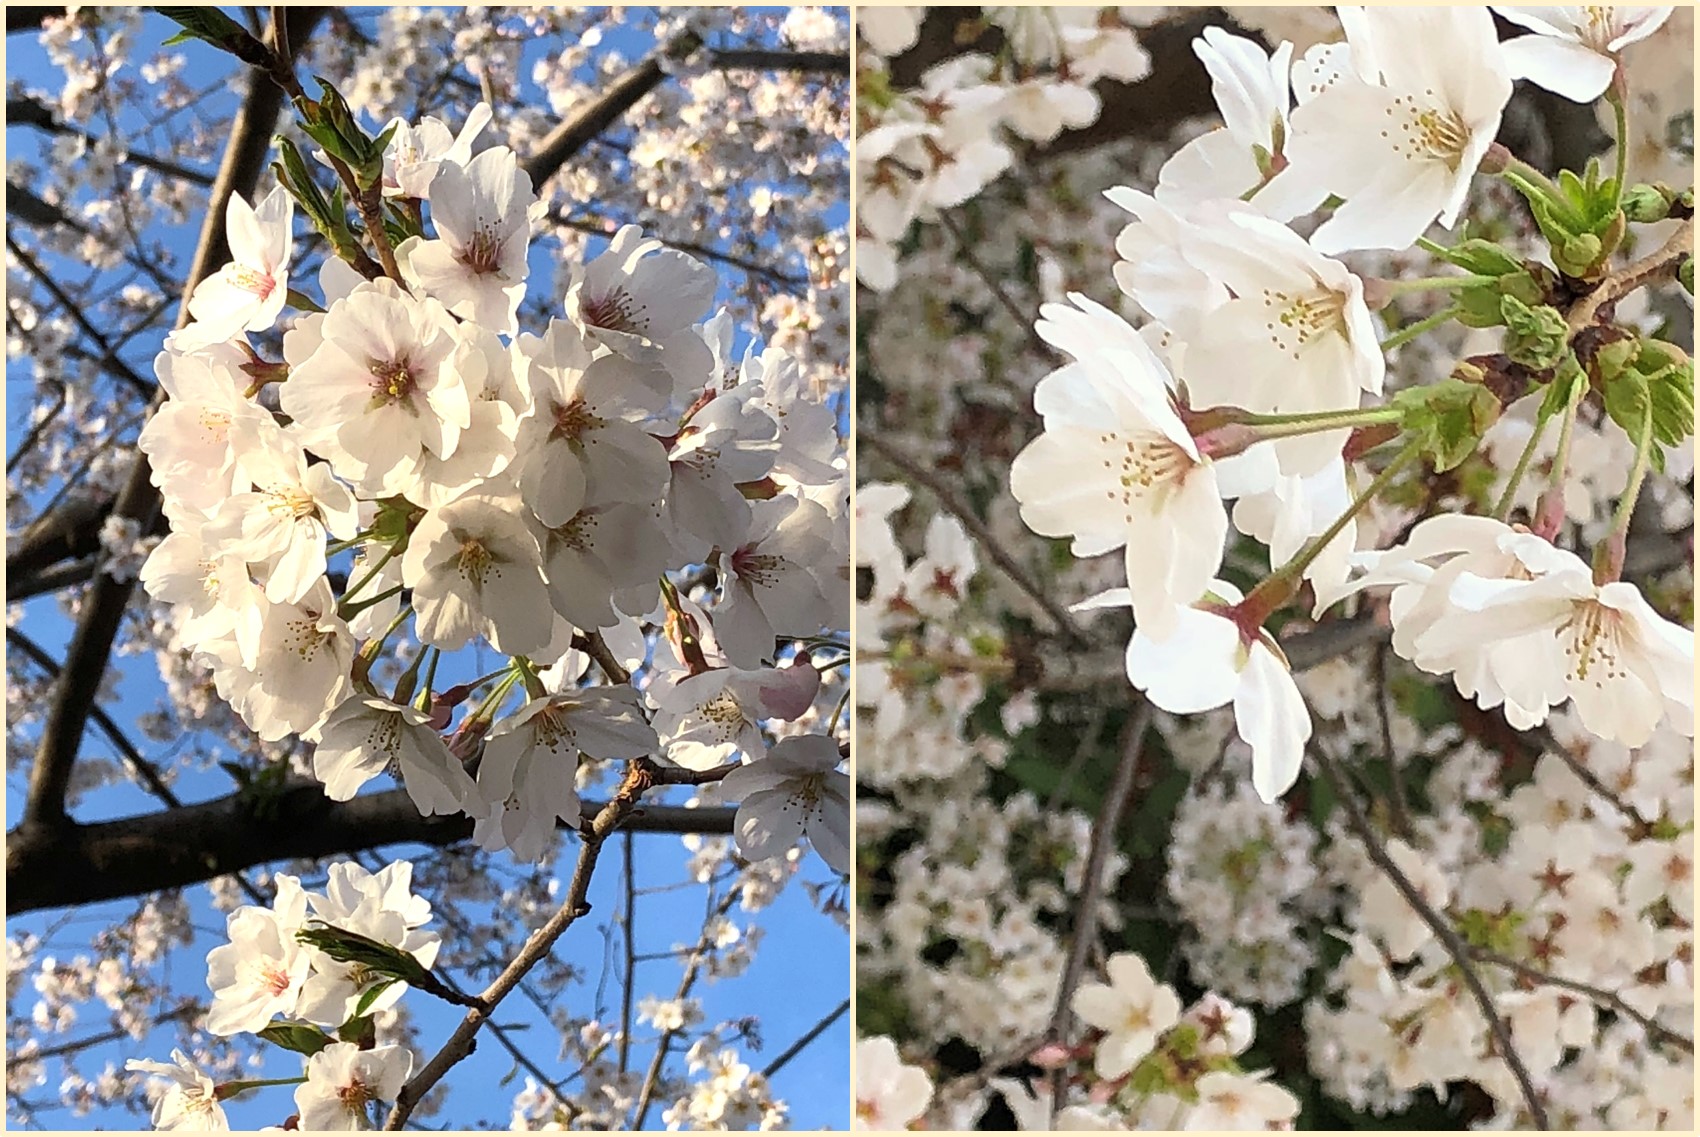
{"type": "Point", "coordinates": [359, 538]}
{"type": "Point", "coordinates": [1278, 586]}
{"type": "Point", "coordinates": [1411, 331]}
{"type": "Point", "coordinates": [497, 696]}
{"type": "Point", "coordinates": [1621, 112]}
{"type": "Point", "coordinates": [1429, 283]}
{"type": "Point", "coordinates": [533, 684]}
{"type": "Point", "coordinates": [1502, 510]}
{"type": "Point", "coordinates": [224, 1091]}
{"type": "Point", "coordinates": [1549, 516]}
{"type": "Point", "coordinates": [389, 552]}
{"type": "Point", "coordinates": [1608, 555]}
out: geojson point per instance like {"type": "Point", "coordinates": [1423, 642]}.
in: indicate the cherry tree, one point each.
{"type": "Point", "coordinates": [427, 576]}
{"type": "Point", "coordinates": [1346, 350]}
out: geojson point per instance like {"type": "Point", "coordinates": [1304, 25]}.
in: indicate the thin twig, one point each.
{"type": "Point", "coordinates": [1549, 743]}
{"type": "Point", "coordinates": [920, 475]}
{"type": "Point", "coordinates": [1454, 944]}
{"type": "Point", "coordinates": [652, 1077]}
{"type": "Point", "coordinates": [1401, 806]}
{"type": "Point", "coordinates": [14, 1059]}
{"type": "Point", "coordinates": [641, 775]}
{"type": "Point", "coordinates": [1023, 319]}
{"type": "Point", "coordinates": [1598, 994]}
{"type": "Point", "coordinates": [809, 1036]}
{"type": "Point", "coordinates": [627, 924]}
{"type": "Point", "coordinates": [1083, 927]}
{"type": "Point", "coordinates": [108, 355]}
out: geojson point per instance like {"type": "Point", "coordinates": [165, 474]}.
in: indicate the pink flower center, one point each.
{"type": "Point", "coordinates": [615, 312]}
{"type": "Point", "coordinates": [483, 254]}
{"type": "Point", "coordinates": [252, 280]}
{"type": "Point", "coordinates": [756, 568]}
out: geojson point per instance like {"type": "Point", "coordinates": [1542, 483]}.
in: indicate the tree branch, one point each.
{"type": "Point", "coordinates": [81, 864]}
{"type": "Point", "coordinates": [1611, 999]}
{"type": "Point", "coordinates": [641, 775]}
{"type": "Point", "coordinates": [26, 111]}
{"type": "Point", "coordinates": [739, 59]}
{"type": "Point", "coordinates": [921, 476]}
{"type": "Point", "coordinates": [618, 97]}
{"type": "Point", "coordinates": [1083, 928]}
{"type": "Point", "coordinates": [809, 1036]}
{"type": "Point", "coordinates": [1621, 283]}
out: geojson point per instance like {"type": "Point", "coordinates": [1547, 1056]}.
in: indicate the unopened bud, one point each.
{"type": "Point", "coordinates": [1645, 204]}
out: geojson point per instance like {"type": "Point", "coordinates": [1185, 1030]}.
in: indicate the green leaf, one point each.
{"type": "Point", "coordinates": [212, 26]}
{"type": "Point", "coordinates": [351, 947]}
{"type": "Point", "coordinates": [1649, 377]}
{"type": "Point", "coordinates": [371, 996]}
{"type": "Point", "coordinates": [1483, 258]}
{"type": "Point", "coordinates": [302, 1038]}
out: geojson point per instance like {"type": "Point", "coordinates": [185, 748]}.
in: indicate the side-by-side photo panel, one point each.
{"type": "Point", "coordinates": [1274, 552]}
{"type": "Point", "coordinates": [428, 568]}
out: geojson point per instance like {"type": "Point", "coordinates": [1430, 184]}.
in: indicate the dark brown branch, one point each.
{"type": "Point", "coordinates": [641, 775]}
{"type": "Point", "coordinates": [1534, 976]}
{"type": "Point", "coordinates": [73, 309]}
{"type": "Point", "coordinates": [14, 1059]}
{"type": "Point", "coordinates": [618, 97]}
{"type": "Point", "coordinates": [743, 264]}
{"type": "Point", "coordinates": [834, 63]}
{"type": "Point", "coordinates": [814, 1032]}
{"type": "Point", "coordinates": [81, 864]}
{"type": "Point", "coordinates": [20, 18]}
{"type": "Point", "coordinates": [103, 609]}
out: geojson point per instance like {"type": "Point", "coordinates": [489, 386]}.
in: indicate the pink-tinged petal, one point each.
{"type": "Point", "coordinates": [1272, 718]}
{"type": "Point", "coordinates": [790, 691]}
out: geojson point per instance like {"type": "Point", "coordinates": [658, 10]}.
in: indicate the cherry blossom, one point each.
{"type": "Point", "coordinates": [1112, 433]}
{"type": "Point", "coordinates": [259, 973]}
{"type": "Point", "coordinates": [531, 758]}
{"type": "Point", "coordinates": [795, 791]}
{"type": "Point", "coordinates": [1575, 50]}
{"type": "Point", "coordinates": [366, 736]}
{"type": "Point", "coordinates": [343, 1081]}
{"type": "Point", "coordinates": [1132, 1009]}
{"type": "Point", "coordinates": [190, 1101]}
{"type": "Point", "coordinates": [248, 293]}
{"type": "Point", "coordinates": [1401, 151]}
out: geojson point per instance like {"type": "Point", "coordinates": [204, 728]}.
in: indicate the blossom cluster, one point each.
{"type": "Point", "coordinates": [1247, 381]}
{"type": "Point", "coordinates": [269, 969]}
{"type": "Point", "coordinates": [1269, 906]}
{"type": "Point", "coordinates": [531, 491]}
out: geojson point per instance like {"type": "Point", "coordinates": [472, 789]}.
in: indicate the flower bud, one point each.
{"type": "Point", "coordinates": [1645, 204]}
{"type": "Point", "coordinates": [1578, 255]}
{"type": "Point", "coordinates": [1536, 336]}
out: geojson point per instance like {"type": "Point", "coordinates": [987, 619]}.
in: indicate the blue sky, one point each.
{"type": "Point", "coordinates": [802, 970]}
